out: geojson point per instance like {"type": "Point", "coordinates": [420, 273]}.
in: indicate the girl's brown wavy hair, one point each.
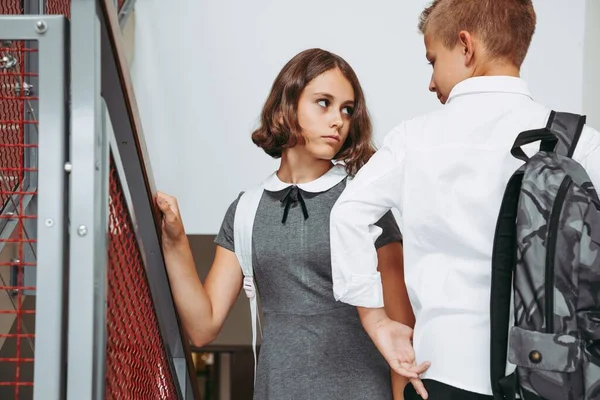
{"type": "Point", "coordinates": [279, 128]}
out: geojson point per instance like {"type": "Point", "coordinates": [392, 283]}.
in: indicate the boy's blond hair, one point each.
{"type": "Point", "coordinates": [504, 26]}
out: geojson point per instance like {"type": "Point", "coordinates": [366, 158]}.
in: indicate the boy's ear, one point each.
{"type": "Point", "coordinates": [465, 40]}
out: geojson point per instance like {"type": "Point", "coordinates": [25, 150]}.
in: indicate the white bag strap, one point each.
{"type": "Point", "coordinates": [243, 225]}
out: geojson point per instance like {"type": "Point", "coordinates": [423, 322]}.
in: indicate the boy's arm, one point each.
{"type": "Point", "coordinates": [374, 191]}
{"type": "Point", "coordinates": [397, 303]}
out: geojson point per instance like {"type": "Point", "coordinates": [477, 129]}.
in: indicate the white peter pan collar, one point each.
{"type": "Point", "coordinates": [325, 182]}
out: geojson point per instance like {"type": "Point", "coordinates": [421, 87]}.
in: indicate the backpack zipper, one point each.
{"type": "Point", "coordinates": [561, 195]}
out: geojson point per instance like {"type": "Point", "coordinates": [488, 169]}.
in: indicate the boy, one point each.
{"type": "Point", "coordinates": [446, 173]}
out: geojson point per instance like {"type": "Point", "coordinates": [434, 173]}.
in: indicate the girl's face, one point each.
{"type": "Point", "coordinates": [325, 111]}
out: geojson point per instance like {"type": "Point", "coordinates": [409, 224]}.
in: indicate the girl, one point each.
{"type": "Point", "coordinates": [312, 347]}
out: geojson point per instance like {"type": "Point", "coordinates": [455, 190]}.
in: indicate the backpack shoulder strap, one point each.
{"type": "Point", "coordinates": [561, 135]}
{"type": "Point", "coordinates": [567, 128]}
{"type": "Point", "coordinates": [504, 258]}
{"type": "Point", "coordinates": [243, 225]}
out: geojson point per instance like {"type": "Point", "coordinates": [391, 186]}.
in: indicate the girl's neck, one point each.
{"type": "Point", "coordinates": [300, 167]}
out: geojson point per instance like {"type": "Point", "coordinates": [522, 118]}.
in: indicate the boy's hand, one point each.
{"type": "Point", "coordinates": [393, 340]}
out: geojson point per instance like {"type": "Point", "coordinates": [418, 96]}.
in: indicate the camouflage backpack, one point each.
{"type": "Point", "coordinates": [546, 265]}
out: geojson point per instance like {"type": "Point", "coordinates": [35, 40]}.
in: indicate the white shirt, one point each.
{"type": "Point", "coordinates": [446, 173]}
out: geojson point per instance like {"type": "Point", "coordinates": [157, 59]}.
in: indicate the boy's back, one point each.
{"type": "Point", "coordinates": [457, 163]}
{"type": "Point", "coordinates": [446, 172]}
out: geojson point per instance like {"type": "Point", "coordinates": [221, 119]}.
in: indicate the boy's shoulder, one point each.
{"type": "Point", "coordinates": [590, 134]}
{"type": "Point", "coordinates": [526, 114]}
{"type": "Point", "coordinates": [587, 153]}
{"type": "Point", "coordinates": [413, 127]}
{"type": "Point", "coordinates": [589, 142]}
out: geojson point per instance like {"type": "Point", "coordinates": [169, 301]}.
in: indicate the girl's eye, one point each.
{"type": "Point", "coordinates": [348, 110]}
{"type": "Point", "coordinates": [323, 103]}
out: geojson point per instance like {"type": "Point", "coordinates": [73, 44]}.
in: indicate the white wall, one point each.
{"type": "Point", "coordinates": [591, 67]}
{"type": "Point", "coordinates": [202, 75]}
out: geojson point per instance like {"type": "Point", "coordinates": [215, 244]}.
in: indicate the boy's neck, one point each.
{"type": "Point", "coordinates": [498, 70]}
{"type": "Point", "coordinates": [298, 166]}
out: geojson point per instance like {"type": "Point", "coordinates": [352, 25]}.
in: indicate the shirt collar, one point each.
{"type": "Point", "coordinates": [490, 84]}
{"type": "Point", "coordinates": [325, 182]}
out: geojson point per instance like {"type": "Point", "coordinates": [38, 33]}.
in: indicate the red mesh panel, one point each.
{"type": "Point", "coordinates": [57, 7]}
{"type": "Point", "coordinates": [17, 246]}
{"type": "Point", "coordinates": [136, 361]}
{"type": "Point", "coordinates": [14, 105]}
{"type": "Point", "coordinates": [11, 7]}
{"type": "Point", "coordinates": [62, 6]}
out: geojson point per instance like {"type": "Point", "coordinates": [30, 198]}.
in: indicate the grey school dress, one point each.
{"type": "Point", "coordinates": [313, 348]}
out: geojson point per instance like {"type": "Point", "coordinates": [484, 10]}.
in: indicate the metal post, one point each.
{"type": "Point", "coordinates": [50, 32]}
{"type": "Point", "coordinates": [101, 284]}
{"type": "Point", "coordinates": [89, 209]}
{"type": "Point", "coordinates": [49, 371]}
{"type": "Point", "coordinates": [52, 245]}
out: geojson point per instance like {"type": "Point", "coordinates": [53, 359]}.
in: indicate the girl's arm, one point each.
{"type": "Point", "coordinates": [202, 308]}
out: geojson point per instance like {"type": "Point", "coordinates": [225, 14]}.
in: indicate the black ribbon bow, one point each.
{"type": "Point", "coordinates": [293, 195]}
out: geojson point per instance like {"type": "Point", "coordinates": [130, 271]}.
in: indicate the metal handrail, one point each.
{"type": "Point", "coordinates": [117, 91]}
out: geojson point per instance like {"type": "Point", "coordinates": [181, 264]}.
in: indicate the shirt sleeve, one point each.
{"type": "Point", "coordinates": [225, 236]}
{"type": "Point", "coordinates": [591, 157]}
{"type": "Point", "coordinates": [375, 190]}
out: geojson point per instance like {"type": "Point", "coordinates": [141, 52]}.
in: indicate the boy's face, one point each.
{"type": "Point", "coordinates": [450, 66]}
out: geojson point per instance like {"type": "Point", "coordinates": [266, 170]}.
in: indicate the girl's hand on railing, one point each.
{"type": "Point", "coordinates": [172, 226]}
